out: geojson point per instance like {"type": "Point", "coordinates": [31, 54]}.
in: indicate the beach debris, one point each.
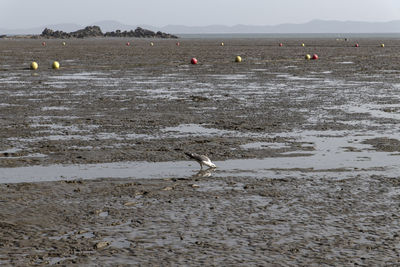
{"type": "Point", "coordinates": [55, 65]}
{"type": "Point", "coordinates": [130, 204]}
{"type": "Point", "coordinates": [102, 244]}
{"type": "Point", "coordinates": [168, 188]}
{"type": "Point", "coordinates": [193, 61]}
{"type": "Point", "coordinates": [34, 65]}
{"type": "Point", "coordinates": [195, 185]}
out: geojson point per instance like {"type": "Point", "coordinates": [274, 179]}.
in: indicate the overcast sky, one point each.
{"type": "Point", "coordinates": [32, 13]}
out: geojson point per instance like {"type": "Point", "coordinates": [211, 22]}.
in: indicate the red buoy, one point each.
{"type": "Point", "coordinates": [315, 57]}
{"type": "Point", "coordinates": [356, 45]}
{"type": "Point", "coordinates": [280, 44]}
{"type": "Point", "coordinates": [178, 44]}
{"type": "Point", "coordinates": [193, 61]}
{"type": "Point", "coordinates": [44, 43]}
{"type": "Point", "coordinates": [128, 43]}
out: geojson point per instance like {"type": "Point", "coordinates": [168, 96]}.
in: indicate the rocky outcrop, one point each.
{"type": "Point", "coordinates": [95, 31]}
{"type": "Point", "coordinates": [48, 33]}
{"type": "Point", "coordinates": [139, 33]}
{"type": "Point", "coordinates": [89, 31]}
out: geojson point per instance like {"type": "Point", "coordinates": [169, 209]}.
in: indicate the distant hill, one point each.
{"type": "Point", "coordinates": [67, 27]}
{"type": "Point", "coordinates": [314, 26]}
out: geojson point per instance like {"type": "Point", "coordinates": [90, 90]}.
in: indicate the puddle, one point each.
{"type": "Point", "coordinates": [81, 76]}
{"type": "Point", "coordinates": [328, 152]}
{"type": "Point", "coordinates": [55, 108]}
{"type": "Point", "coordinates": [297, 78]}
{"type": "Point", "coordinates": [103, 214]}
{"type": "Point", "coordinates": [34, 155]}
{"type": "Point", "coordinates": [196, 130]}
{"type": "Point", "coordinates": [263, 145]}
{"type": "Point", "coordinates": [334, 155]}
{"type": "Point", "coordinates": [376, 111]}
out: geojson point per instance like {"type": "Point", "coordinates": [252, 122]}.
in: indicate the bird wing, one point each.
{"type": "Point", "coordinates": [197, 157]}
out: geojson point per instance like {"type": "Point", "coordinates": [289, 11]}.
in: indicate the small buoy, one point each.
{"type": "Point", "coordinates": [356, 45]}
{"type": "Point", "coordinates": [308, 57]}
{"type": "Point", "coordinates": [303, 45]}
{"type": "Point", "coordinates": [34, 66]}
{"type": "Point", "coordinates": [280, 44]}
{"type": "Point", "coordinates": [238, 59]}
{"type": "Point", "coordinates": [193, 61]}
{"type": "Point", "coordinates": [151, 43]}
{"type": "Point", "coordinates": [178, 44]}
{"type": "Point", "coordinates": [64, 43]}
{"type": "Point", "coordinates": [55, 65]}
{"type": "Point", "coordinates": [315, 57]}
{"type": "Point", "coordinates": [382, 45]}
{"type": "Point", "coordinates": [43, 43]}
{"type": "Point", "coordinates": [222, 44]}
{"type": "Point", "coordinates": [128, 43]}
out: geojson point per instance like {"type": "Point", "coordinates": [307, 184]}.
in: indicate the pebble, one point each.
{"type": "Point", "coordinates": [168, 188]}
{"type": "Point", "coordinates": [102, 244]}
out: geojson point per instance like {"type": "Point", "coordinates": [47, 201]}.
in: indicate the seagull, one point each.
{"type": "Point", "coordinates": [201, 159]}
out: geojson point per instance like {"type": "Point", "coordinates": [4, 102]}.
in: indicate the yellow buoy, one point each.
{"type": "Point", "coordinates": [303, 45]}
{"type": "Point", "coordinates": [222, 44]}
{"type": "Point", "coordinates": [34, 66]}
{"type": "Point", "coordinates": [382, 45]}
{"type": "Point", "coordinates": [151, 44]}
{"type": "Point", "coordinates": [308, 56]}
{"type": "Point", "coordinates": [238, 59]}
{"type": "Point", "coordinates": [64, 43]}
{"type": "Point", "coordinates": [55, 65]}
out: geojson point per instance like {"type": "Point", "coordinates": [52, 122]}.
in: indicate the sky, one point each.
{"type": "Point", "coordinates": [16, 14]}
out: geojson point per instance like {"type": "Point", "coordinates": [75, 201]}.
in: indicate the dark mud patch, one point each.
{"type": "Point", "coordinates": [238, 221]}
{"type": "Point", "coordinates": [384, 144]}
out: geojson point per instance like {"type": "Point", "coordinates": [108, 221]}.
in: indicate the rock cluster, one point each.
{"type": "Point", "coordinates": [139, 33]}
{"type": "Point", "coordinates": [89, 31]}
{"type": "Point", "coordinates": [95, 31]}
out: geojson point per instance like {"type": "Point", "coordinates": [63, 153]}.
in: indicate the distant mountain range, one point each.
{"type": "Point", "coordinates": [314, 26]}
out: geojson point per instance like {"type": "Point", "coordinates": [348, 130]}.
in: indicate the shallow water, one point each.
{"type": "Point", "coordinates": [334, 153]}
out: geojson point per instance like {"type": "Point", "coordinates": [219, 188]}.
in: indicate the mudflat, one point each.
{"type": "Point", "coordinates": [307, 152]}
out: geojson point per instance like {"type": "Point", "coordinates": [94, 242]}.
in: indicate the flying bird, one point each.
{"type": "Point", "coordinates": [201, 159]}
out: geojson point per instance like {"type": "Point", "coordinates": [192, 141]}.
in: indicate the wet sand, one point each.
{"type": "Point", "coordinates": [307, 153]}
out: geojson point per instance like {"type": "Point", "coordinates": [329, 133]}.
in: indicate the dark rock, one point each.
{"type": "Point", "coordinates": [89, 31]}
{"type": "Point", "coordinates": [95, 31]}
{"type": "Point", "coordinates": [139, 33]}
